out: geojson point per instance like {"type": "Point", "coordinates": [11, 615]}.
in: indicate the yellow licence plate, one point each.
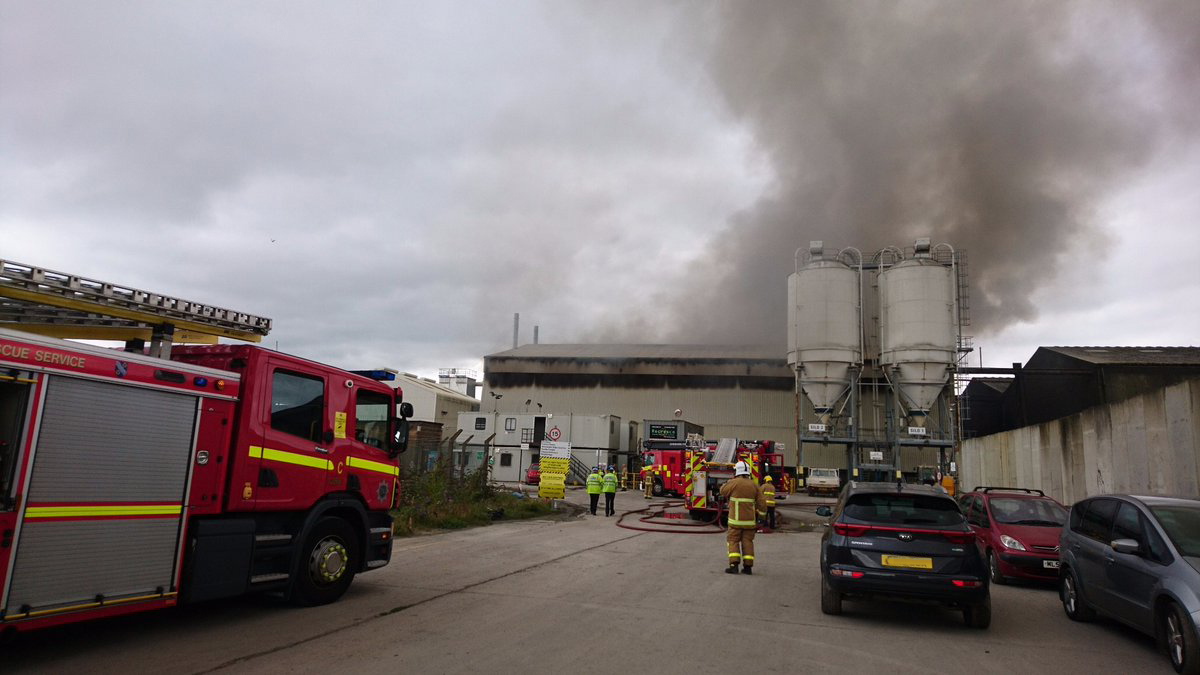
{"type": "Point", "coordinates": [907, 561]}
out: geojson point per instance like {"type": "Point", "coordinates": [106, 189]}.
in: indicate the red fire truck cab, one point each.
{"type": "Point", "coordinates": [130, 483]}
{"type": "Point", "coordinates": [663, 455]}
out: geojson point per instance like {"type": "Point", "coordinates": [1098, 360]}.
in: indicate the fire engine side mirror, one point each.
{"type": "Point", "coordinates": [400, 440]}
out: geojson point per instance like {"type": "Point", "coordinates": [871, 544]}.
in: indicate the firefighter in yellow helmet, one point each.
{"type": "Point", "coordinates": [745, 501]}
{"type": "Point", "coordinates": [648, 472]}
{"type": "Point", "coordinates": [768, 490]}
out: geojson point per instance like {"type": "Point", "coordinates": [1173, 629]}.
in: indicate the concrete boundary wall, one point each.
{"type": "Point", "coordinates": [1149, 444]}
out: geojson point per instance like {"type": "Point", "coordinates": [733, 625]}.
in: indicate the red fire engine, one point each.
{"type": "Point", "coordinates": [668, 459]}
{"type": "Point", "coordinates": [663, 453]}
{"type": "Point", "coordinates": [130, 482]}
{"type": "Point", "coordinates": [710, 465]}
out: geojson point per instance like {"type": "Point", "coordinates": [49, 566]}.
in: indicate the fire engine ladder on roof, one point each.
{"type": "Point", "coordinates": [45, 302]}
{"type": "Point", "coordinates": [726, 452]}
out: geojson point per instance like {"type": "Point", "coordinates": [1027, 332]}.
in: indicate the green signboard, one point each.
{"type": "Point", "coordinates": [663, 432]}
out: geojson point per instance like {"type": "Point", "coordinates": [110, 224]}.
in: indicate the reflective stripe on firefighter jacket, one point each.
{"type": "Point", "coordinates": [769, 494]}
{"type": "Point", "coordinates": [744, 500]}
{"type": "Point", "coordinates": [610, 482]}
{"type": "Point", "coordinates": [593, 484]}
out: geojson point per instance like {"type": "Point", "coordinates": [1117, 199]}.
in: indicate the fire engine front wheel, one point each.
{"type": "Point", "coordinates": [330, 557]}
{"type": "Point", "coordinates": [657, 488]}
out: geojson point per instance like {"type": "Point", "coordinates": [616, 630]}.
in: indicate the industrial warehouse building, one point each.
{"type": "Point", "coordinates": [436, 408]}
{"type": "Point", "coordinates": [433, 402]}
{"type": "Point", "coordinates": [739, 392]}
{"type": "Point", "coordinates": [1058, 382]}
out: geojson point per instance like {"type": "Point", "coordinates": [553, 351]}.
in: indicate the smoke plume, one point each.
{"type": "Point", "coordinates": [999, 127]}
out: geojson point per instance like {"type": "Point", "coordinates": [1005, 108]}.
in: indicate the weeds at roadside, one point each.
{"type": "Point", "coordinates": [442, 498]}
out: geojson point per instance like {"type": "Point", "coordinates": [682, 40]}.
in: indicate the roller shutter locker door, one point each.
{"type": "Point", "coordinates": [105, 499]}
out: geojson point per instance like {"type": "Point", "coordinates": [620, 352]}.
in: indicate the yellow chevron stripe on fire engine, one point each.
{"type": "Point", "coordinates": [103, 511]}
{"type": "Point", "coordinates": [272, 455]}
{"type": "Point", "coordinates": [378, 467]}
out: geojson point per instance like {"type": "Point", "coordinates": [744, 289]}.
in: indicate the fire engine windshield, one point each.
{"type": "Point", "coordinates": [371, 418]}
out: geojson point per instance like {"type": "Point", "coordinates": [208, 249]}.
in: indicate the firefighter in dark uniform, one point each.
{"type": "Point", "coordinates": [746, 502]}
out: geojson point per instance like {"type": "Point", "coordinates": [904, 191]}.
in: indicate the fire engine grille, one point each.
{"type": "Point", "coordinates": [101, 446]}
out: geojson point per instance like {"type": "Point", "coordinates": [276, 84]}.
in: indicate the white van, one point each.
{"type": "Point", "coordinates": [822, 481]}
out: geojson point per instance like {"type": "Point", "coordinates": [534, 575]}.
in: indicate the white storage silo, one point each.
{"type": "Point", "coordinates": [824, 327]}
{"type": "Point", "coordinates": [918, 328]}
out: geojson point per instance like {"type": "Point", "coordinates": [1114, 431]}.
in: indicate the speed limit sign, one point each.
{"type": "Point", "coordinates": [554, 434]}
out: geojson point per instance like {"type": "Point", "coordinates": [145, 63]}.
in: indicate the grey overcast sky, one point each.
{"type": "Point", "coordinates": [390, 181]}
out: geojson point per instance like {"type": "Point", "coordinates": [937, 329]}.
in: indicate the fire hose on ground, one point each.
{"type": "Point", "coordinates": [712, 526]}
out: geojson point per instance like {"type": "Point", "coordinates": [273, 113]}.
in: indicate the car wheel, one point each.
{"type": "Point", "coordinates": [1073, 603]}
{"type": "Point", "coordinates": [994, 570]}
{"type": "Point", "coordinates": [1179, 637]}
{"type": "Point", "coordinates": [330, 557]}
{"type": "Point", "coordinates": [657, 489]}
{"type": "Point", "coordinates": [978, 614]}
{"type": "Point", "coordinates": [831, 600]}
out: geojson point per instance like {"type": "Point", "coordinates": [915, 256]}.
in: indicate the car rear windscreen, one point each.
{"type": "Point", "coordinates": [902, 509]}
{"type": "Point", "coordinates": [1024, 511]}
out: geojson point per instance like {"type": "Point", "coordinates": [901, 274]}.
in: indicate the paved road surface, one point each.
{"type": "Point", "coordinates": [584, 596]}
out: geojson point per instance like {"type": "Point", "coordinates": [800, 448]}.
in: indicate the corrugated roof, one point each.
{"type": "Point", "coordinates": [997, 383]}
{"type": "Point", "coordinates": [1147, 356]}
{"type": "Point", "coordinates": [648, 352]}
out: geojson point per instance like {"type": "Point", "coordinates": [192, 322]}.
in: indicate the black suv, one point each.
{"type": "Point", "coordinates": [902, 541]}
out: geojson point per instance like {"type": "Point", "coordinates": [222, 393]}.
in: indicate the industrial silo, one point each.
{"type": "Point", "coordinates": [918, 326]}
{"type": "Point", "coordinates": [824, 327]}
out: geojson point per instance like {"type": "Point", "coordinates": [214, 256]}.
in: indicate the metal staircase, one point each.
{"type": "Point", "coordinates": [577, 471]}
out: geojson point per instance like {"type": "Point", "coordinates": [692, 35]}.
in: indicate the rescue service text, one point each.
{"type": "Point", "coordinates": [42, 356]}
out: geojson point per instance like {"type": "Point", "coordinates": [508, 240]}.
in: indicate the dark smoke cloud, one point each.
{"type": "Point", "coordinates": [999, 127]}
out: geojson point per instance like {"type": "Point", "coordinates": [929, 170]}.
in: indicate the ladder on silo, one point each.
{"type": "Point", "coordinates": [964, 290]}
{"type": "Point", "coordinates": [56, 304]}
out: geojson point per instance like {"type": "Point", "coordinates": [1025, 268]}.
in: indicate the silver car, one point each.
{"type": "Point", "coordinates": [1137, 560]}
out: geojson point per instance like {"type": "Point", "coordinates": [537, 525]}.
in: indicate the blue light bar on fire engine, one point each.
{"type": "Point", "coordinates": [381, 374]}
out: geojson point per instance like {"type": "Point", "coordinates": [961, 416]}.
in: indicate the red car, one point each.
{"type": "Point", "coordinates": [1017, 531]}
{"type": "Point", "coordinates": [533, 474]}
